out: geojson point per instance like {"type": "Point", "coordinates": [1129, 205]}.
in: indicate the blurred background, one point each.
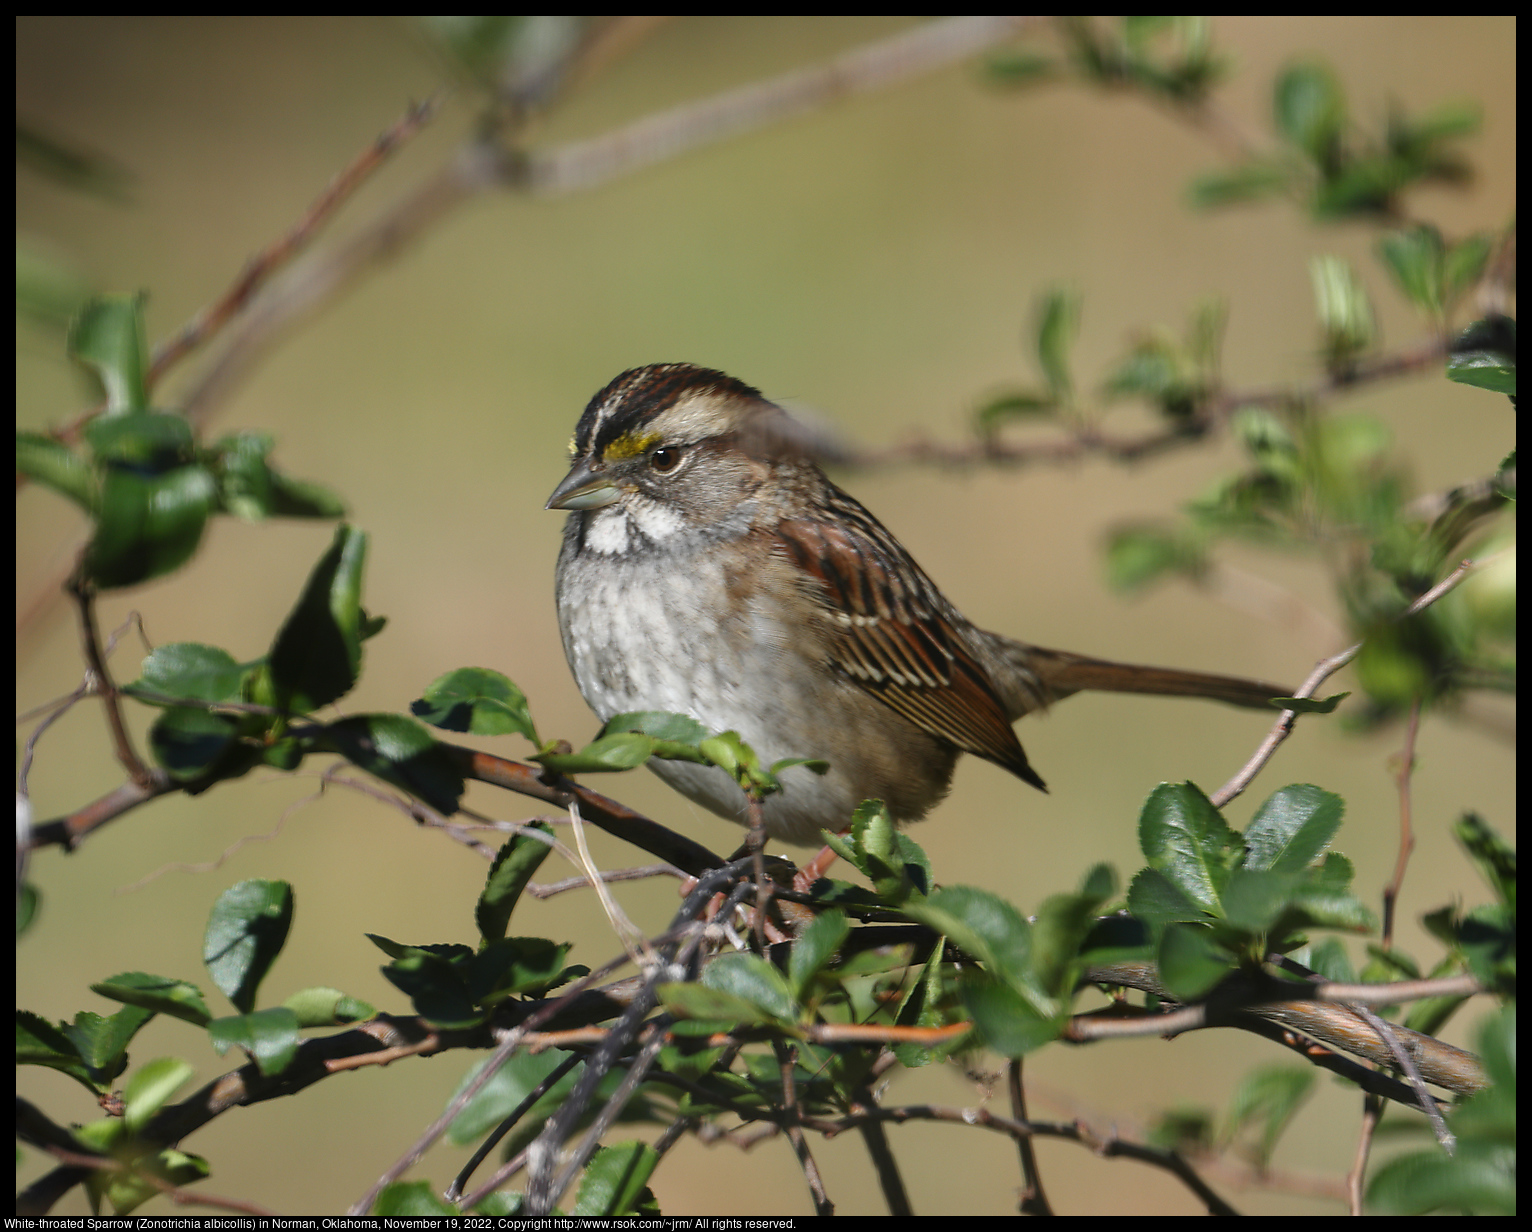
{"type": "Point", "coordinates": [877, 261]}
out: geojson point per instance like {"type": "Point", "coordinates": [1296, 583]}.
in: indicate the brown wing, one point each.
{"type": "Point", "coordinates": [897, 637]}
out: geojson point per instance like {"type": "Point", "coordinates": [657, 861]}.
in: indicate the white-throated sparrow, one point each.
{"type": "Point", "coordinates": [711, 569]}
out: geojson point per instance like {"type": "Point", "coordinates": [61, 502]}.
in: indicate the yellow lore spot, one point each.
{"type": "Point", "coordinates": [631, 445]}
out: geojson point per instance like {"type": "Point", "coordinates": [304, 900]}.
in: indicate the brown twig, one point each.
{"type": "Point", "coordinates": [1034, 1200]}
{"type": "Point", "coordinates": [787, 1061]}
{"type": "Point", "coordinates": [1406, 828]}
{"type": "Point", "coordinates": [1323, 670]}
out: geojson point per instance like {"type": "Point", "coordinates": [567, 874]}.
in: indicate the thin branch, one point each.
{"type": "Point", "coordinates": [1322, 672]}
{"type": "Point", "coordinates": [1406, 828]}
{"type": "Point", "coordinates": [1034, 1200]}
{"type": "Point", "coordinates": [787, 1061]}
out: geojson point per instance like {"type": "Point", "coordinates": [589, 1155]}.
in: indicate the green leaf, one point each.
{"type": "Point", "coordinates": [1058, 320]}
{"type": "Point", "coordinates": [1183, 835]}
{"type": "Point", "coordinates": [1269, 1098]}
{"type": "Point", "coordinates": [1493, 856]}
{"type": "Point", "coordinates": [1010, 1023]}
{"type": "Point", "coordinates": [1191, 961]}
{"type": "Point", "coordinates": [246, 932]}
{"type": "Point", "coordinates": [478, 701]}
{"type": "Point", "coordinates": [269, 1036]}
{"type": "Point", "coordinates": [400, 751]}
{"type": "Point", "coordinates": [1062, 924]}
{"type": "Point", "coordinates": [710, 1005]}
{"type": "Point", "coordinates": [815, 946]}
{"type": "Point", "coordinates": [508, 876]}
{"type": "Point", "coordinates": [513, 965]}
{"type": "Point", "coordinates": [1139, 555]}
{"type": "Point", "coordinates": [1484, 355]}
{"type": "Point", "coordinates": [1345, 312]}
{"type": "Point", "coordinates": [1310, 110]}
{"type": "Point", "coordinates": [435, 987]}
{"type": "Point", "coordinates": [148, 526]}
{"type": "Point", "coordinates": [192, 671]}
{"type": "Point", "coordinates": [108, 338]}
{"type": "Point", "coordinates": [620, 751]}
{"type": "Point", "coordinates": [249, 487]}
{"type": "Point", "coordinates": [178, 998]}
{"type": "Point", "coordinates": [102, 1042]}
{"type": "Point", "coordinates": [989, 929]}
{"type": "Point", "coordinates": [507, 1089]}
{"type": "Point", "coordinates": [1003, 408]}
{"type": "Point", "coordinates": [412, 1199]}
{"type": "Point", "coordinates": [1248, 182]}
{"type": "Point", "coordinates": [661, 724]}
{"type": "Point", "coordinates": [55, 465]}
{"type": "Point", "coordinates": [1157, 901]}
{"type": "Point", "coordinates": [194, 744]}
{"type": "Point", "coordinates": [1310, 705]}
{"type": "Point", "coordinates": [1292, 828]}
{"type": "Point", "coordinates": [150, 1088]}
{"type": "Point", "coordinates": [1414, 257]}
{"type": "Point", "coordinates": [328, 1007]}
{"type": "Point", "coordinates": [147, 442]}
{"type": "Point", "coordinates": [615, 1182]}
{"type": "Point", "coordinates": [751, 978]}
{"type": "Point", "coordinates": [39, 1042]}
{"type": "Point", "coordinates": [318, 651]}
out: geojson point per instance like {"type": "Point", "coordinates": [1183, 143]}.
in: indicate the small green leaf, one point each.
{"type": "Point", "coordinates": [1190, 961]}
{"type": "Point", "coordinates": [710, 1005]}
{"type": "Point", "coordinates": [620, 751]}
{"type": "Point", "coordinates": [435, 987]}
{"type": "Point", "coordinates": [269, 1036]}
{"type": "Point", "coordinates": [1310, 705]}
{"type": "Point", "coordinates": [1310, 109]}
{"type": "Point", "coordinates": [194, 744]}
{"type": "Point", "coordinates": [400, 751]}
{"type": "Point", "coordinates": [246, 932]}
{"type": "Point", "coordinates": [1414, 257]}
{"type": "Point", "coordinates": [1484, 355]}
{"type": "Point", "coordinates": [816, 945]}
{"type": "Point", "coordinates": [1269, 1098]}
{"type": "Point", "coordinates": [192, 671]}
{"type": "Point", "coordinates": [1058, 320]}
{"type": "Point", "coordinates": [318, 651]}
{"type": "Point", "coordinates": [327, 1007]}
{"type": "Point", "coordinates": [412, 1200]}
{"type": "Point", "coordinates": [148, 526]}
{"type": "Point", "coordinates": [55, 465]}
{"type": "Point", "coordinates": [478, 701]}
{"type": "Point", "coordinates": [751, 978]}
{"type": "Point", "coordinates": [150, 1088]}
{"type": "Point", "coordinates": [1292, 828]}
{"type": "Point", "coordinates": [1009, 1022]}
{"type": "Point", "coordinates": [178, 998]}
{"type": "Point", "coordinates": [517, 860]}
{"type": "Point", "coordinates": [615, 1182]}
{"type": "Point", "coordinates": [661, 724]}
{"type": "Point", "coordinates": [1183, 835]}
{"type": "Point", "coordinates": [108, 338]}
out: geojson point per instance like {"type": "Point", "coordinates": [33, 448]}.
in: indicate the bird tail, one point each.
{"type": "Point", "coordinates": [1039, 676]}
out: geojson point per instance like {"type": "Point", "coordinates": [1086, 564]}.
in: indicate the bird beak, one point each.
{"type": "Point", "coordinates": [583, 488]}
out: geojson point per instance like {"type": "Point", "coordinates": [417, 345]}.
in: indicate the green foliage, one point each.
{"type": "Point", "coordinates": [1479, 1176]}
{"type": "Point", "coordinates": [1324, 159]}
{"type": "Point", "coordinates": [940, 969]}
{"type": "Point", "coordinates": [146, 483]}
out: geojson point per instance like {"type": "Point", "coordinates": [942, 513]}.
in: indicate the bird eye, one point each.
{"type": "Point", "coordinates": [665, 459]}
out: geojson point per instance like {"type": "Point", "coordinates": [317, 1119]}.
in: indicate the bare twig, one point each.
{"type": "Point", "coordinates": [787, 1060]}
{"type": "Point", "coordinates": [1034, 1201]}
{"type": "Point", "coordinates": [1406, 827]}
{"type": "Point", "coordinates": [1322, 672]}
